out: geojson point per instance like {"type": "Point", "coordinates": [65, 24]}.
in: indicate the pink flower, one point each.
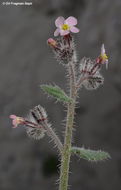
{"type": "Point", "coordinates": [64, 27]}
{"type": "Point", "coordinates": [16, 120]}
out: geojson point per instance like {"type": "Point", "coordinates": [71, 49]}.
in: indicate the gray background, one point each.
{"type": "Point", "coordinates": [26, 62]}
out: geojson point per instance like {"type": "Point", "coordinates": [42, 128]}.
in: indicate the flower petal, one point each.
{"type": "Point", "coordinates": [57, 31]}
{"type": "Point", "coordinates": [106, 62]}
{"type": "Point", "coordinates": [102, 49]}
{"type": "Point", "coordinates": [12, 116]}
{"type": "Point", "coordinates": [64, 32]}
{"type": "Point", "coordinates": [59, 21]}
{"type": "Point", "coordinates": [74, 29]}
{"type": "Point", "coordinates": [71, 21]}
{"type": "Point", "coordinates": [14, 122]}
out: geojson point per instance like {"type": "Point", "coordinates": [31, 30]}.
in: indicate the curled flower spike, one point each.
{"type": "Point", "coordinates": [63, 48]}
{"type": "Point", "coordinates": [34, 124]}
{"type": "Point", "coordinates": [64, 27]}
{"type": "Point", "coordinates": [90, 76]}
{"type": "Point", "coordinates": [37, 116]}
{"type": "Point", "coordinates": [16, 120]}
{"type": "Point", "coordinates": [103, 58]}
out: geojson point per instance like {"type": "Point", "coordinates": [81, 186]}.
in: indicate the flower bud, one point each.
{"type": "Point", "coordinates": [52, 42]}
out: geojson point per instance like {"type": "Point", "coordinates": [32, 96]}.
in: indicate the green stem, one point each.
{"type": "Point", "coordinates": [64, 172]}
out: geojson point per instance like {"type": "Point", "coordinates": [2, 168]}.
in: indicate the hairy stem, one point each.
{"type": "Point", "coordinates": [81, 80]}
{"type": "Point", "coordinates": [64, 172]}
{"type": "Point", "coordinates": [51, 133]}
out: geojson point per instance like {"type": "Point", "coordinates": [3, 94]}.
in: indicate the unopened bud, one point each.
{"type": "Point", "coordinates": [52, 42]}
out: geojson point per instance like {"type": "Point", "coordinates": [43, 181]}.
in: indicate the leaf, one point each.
{"type": "Point", "coordinates": [90, 155]}
{"type": "Point", "coordinates": [56, 92]}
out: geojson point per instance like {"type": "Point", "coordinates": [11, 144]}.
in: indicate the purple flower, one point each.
{"type": "Point", "coordinates": [64, 27]}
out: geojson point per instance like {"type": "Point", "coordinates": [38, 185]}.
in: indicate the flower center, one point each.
{"type": "Point", "coordinates": [19, 120]}
{"type": "Point", "coordinates": [65, 27]}
{"type": "Point", "coordinates": [104, 56]}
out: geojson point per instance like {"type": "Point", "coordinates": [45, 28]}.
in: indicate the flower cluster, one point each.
{"type": "Point", "coordinates": [63, 48]}
{"type": "Point", "coordinates": [90, 70]}
{"type": "Point", "coordinates": [34, 123]}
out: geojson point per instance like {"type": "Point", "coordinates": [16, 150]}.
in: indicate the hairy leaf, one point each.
{"type": "Point", "coordinates": [90, 155]}
{"type": "Point", "coordinates": [56, 92]}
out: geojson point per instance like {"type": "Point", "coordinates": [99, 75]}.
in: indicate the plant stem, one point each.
{"type": "Point", "coordinates": [51, 133]}
{"type": "Point", "coordinates": [64, 172]}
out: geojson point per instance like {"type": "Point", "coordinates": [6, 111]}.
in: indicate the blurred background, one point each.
{"type": "Point", "coordinates": [26, 62]}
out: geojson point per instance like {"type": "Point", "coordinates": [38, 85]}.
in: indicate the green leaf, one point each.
{"type": "Point", "coordinates": [90, 155]}
{"type": "Point", "coordinates": [56, 92]}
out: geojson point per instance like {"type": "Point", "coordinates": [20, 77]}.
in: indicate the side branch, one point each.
{"type": "Point", "coordinates": [51, 133]}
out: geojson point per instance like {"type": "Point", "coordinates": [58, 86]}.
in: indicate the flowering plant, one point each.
{"type": "Point", "coordinates": [85, 73]}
